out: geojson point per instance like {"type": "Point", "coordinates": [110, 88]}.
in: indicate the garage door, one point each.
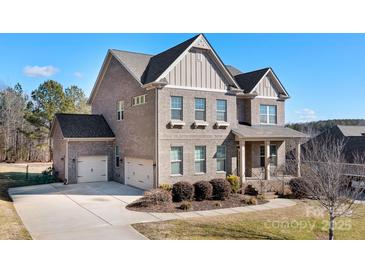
{"type": "Point", "coordinates": [92, 169]}
{"type": "Point", "coordinates": [139, 173]}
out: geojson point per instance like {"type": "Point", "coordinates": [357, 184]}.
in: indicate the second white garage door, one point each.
{"type": "Point", "coordinates": [92, 169]}
{"type": "Point", "coordinates": [139, 173]}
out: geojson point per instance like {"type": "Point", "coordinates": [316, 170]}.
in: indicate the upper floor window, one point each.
{"type": "Point", "coordinates": [222, 110]}
{"type": "Point", "coordinates": [117, 156]}
{"type": "Point", "coordinates": [200, 159]}
{"type": "Point", "coordinates": [176, 157]}
{"type": "Point", "coordinates": [176, 108]}
{"type": "Point", "coordinates": [120, 110]}
{"type": "Point", "coordinates": [200, 111]}
{"type": "Point", "coordinates": [139, 100]}
{"type": "Point", "coordinates": [221, 158]}
{"type": "Point", "coordinates": [268, 114]}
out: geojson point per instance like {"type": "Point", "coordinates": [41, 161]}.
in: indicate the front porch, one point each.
{"type": "Point", "coordinates": [262, 152]}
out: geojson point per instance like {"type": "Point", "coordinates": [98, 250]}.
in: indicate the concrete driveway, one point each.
{"type": "Point", "coordinates": [79, 211]}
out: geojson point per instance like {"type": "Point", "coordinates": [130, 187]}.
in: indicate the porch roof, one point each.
{"type": "Point", "coordinates": [266, 132]}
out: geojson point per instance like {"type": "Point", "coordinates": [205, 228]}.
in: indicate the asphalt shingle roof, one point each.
{"type": "Point", "coordinates": [249, 80]}
{"type": "Point", "coordinates": [83, 126]}
{"type": "Point", "coordinates": [352, 131]}
{"type": "Point", "coordinates": [233, 70]}
{"type": "Point", "coordinates": [267, 131]}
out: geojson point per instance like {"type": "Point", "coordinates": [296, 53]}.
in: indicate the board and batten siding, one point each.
{"type": "Point", "coordinates": [266, 88]}
{"type": "Point", "coordinates": [197, 71]}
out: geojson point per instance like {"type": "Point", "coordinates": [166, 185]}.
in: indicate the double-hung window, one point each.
{"type": "Point", "coordinates": [117, 156]}
{"type": "Point", "coordinates": [268, 114]}
{"type": "Point", "coordinates": [273, 155]}
{"type": "Point", "coordinates": [221, 158]}
{"type": "Point", "coordinates": [176, 108]}
{"type": "Point", "coordinates": [222, 110]}
{"type": "Point", "coordinates": [200, 109]}
{"type": "Point", "coordinates": [120, 110]}
{"type": "Point", "coordinates": [200, 159]}
{"type": "Point", "coordinates": [176, 158]}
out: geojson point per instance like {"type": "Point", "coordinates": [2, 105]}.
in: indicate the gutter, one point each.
{"type": "Point", "coordinates": [155, 85]}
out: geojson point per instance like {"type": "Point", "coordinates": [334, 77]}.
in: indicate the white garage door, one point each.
{"type": "Point", "coordinates": [92, 169]}
{"type": "Point", "coordinates": [139, 173]}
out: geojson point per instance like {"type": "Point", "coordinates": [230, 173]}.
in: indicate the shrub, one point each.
{"type": "Point", "coordinates": [296, 186]}
{"type": "Point", "coordinates": [185, 205]}
{"type": "Point", "coordinates": [250, 190]}
{"type": "Point", "coordinates": [203, 190]}
{"type": "Point", "coordinates": [249, 200]}
{"type": "Point", "coordinates": [218, 204]}
{"type": "Point", "coordinates": [221, 188]}
{"type": "Point", "coordinates": [166, 187]}
{"type": "Point", "coordinates": [235, 183]}
{"type": "Point", "coordinates": [153, 197]}
{"type": "Point", "coordinates": [182, 191]}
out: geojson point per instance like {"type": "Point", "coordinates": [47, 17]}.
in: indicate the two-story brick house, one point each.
{"type": "Point", "coordinates": [178, 115]}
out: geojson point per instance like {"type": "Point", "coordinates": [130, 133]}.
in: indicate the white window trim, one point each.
{"type": "Point", "coordinates": [220, 111]}
{"type": "Point", "coordinates": [267, 114]}
{"type": "Point", "coordinates": [201, 109]}
{"type": "Point", "coordinates": [222, 158]}
{"type": "Point", "coordinates": [181, 109]}
{"type": "Point", "coordinates": [139, 100]}
{"type": "Point", "coordinates": [177, 161]}
{"type": "Point", "coordinates": [120, 110]}
{"type": "Point", "coordinates": [201, 160]}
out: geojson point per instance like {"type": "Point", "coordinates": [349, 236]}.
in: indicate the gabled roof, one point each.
{"type": "Point", "coordinates": [249, 80]}
{"type": "Point", "coordinates": [161, 62]}
{"type": "Point", "coordinates": [352, 131]}
{"type": "Point", "coordinates": [83, 126]}
{"type": "Point", "coordinates": [135, 62]}
{"type": "Point", "coordinates": [233, 70]}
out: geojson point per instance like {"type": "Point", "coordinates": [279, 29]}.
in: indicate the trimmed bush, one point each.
{"type": "Point", "coordinates": [182, 191]}
{"type": "Point", "coordinates": [235, 183]}
{"type": "Point", "coordinates": [250, 190]}
{"type": "Point", "coordinates": [166, 187]}
{"type": "Point", "coordinates": [221, 188]}
{"type": "Point", "coordinates": [185, 205]}
{"type": "Point", "coordinates": [153, 197]}
{"type": "Point", "coordinates": [203, 190]}
{"type": "Point", "coordinates": [249, 200]}
{"type": "Point", "coordinates": [296, 187]}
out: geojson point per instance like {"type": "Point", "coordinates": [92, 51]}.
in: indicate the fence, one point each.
{"type": "Point", "coordinates": [28, 172]}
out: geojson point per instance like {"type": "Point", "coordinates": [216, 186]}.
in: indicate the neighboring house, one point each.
{"type": "Point", "coordinates": [179, 115]}
{"type": "Point", "coordinates": [353, 138]}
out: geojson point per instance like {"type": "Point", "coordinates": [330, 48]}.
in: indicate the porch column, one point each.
{"type": "Point", "coordinates": [267, 160]}
{"type": "Point", "coordinates": [242, 161]}
{"type": "Point", "coordinates": [298, 159]}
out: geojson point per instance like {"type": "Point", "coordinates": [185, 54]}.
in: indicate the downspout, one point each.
{"type": "Point", "coordinates": [66, 164]}
{"type": "Point", "coordinates": [157, 141]}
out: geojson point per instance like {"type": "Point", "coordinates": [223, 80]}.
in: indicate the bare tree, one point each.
{"type": "Point", "coordinates": [328, 178]}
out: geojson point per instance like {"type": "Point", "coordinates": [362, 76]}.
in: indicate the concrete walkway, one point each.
{"type": "Point", "coordinates": [96, 211]}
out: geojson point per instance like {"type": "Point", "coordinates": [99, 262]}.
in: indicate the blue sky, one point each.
{"type": "Point", "coordinates": [323, 73]}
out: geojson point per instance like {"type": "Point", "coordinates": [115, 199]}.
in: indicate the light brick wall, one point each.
{"type": "Point", "coordinates": [188, 137]}
{"type": "Point", "coordinates": [135, 135]}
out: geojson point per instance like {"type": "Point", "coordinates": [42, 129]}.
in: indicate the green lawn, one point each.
{"type": "Point", "coordinates": [11, 227]}
{"type": "Point", "coordinates": [302, 221]}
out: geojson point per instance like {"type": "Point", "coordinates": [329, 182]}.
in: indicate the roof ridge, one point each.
{"type": "Point", "coordinates": [135, 52]}
{"type": "Point", "coordinates": [85, 114]}
{"type": "Point", "coordinates": [266, 68]}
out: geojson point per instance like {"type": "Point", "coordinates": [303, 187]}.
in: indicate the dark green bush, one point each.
{"type": "Point", "coordinates": [182, 191]}
{"type": "Point", "coordinates": [297, 187]}
{"type": "Point", "coordinates": [153, 197]}
{"type": "Point", "coordinates": [221, 188]}
{"type": "Point", "coordinates": [203, 190]}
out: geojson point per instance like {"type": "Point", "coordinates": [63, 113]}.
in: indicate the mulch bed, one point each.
{"type": "Point", "coordinates": [235, 200]}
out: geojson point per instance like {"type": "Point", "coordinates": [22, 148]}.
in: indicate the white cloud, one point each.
{"type": "Point", "coordinates": [306, 115]}
{"type": "Point", "coordinates": [37, 71]}
{"type": "Point", "coordinates": [78, 74]}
